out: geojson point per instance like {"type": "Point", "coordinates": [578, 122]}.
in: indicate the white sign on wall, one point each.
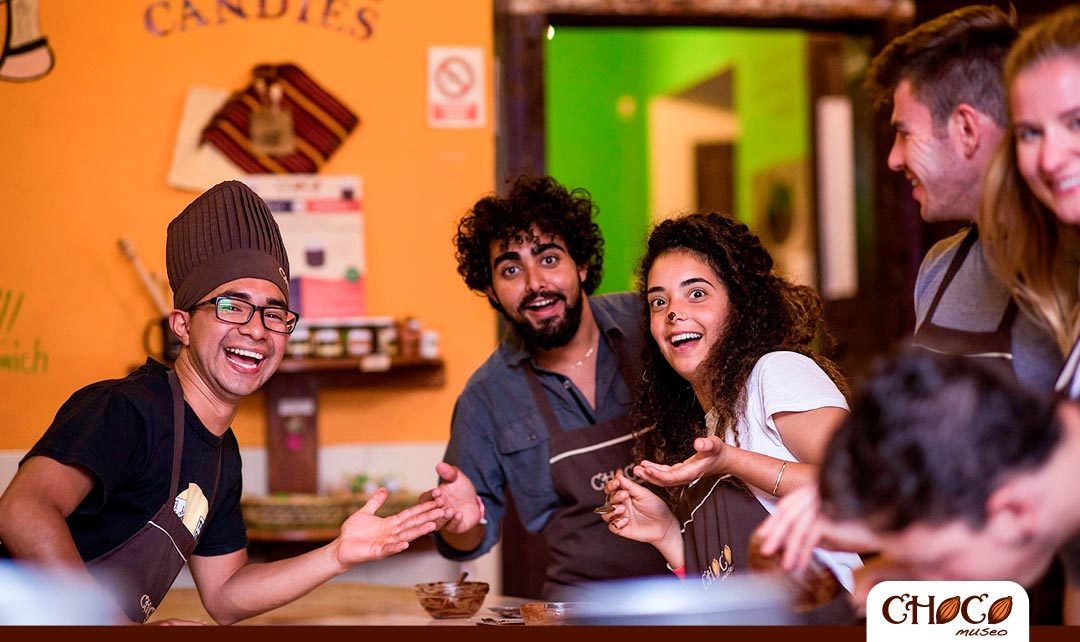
{"type": "Point", "coordinates": [456, 90]}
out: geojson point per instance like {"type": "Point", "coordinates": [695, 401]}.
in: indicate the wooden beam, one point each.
{"type": "Point", "coordinates": [812, 10]}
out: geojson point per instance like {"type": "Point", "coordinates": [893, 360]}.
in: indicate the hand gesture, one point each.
{"type": "Point", "coordinates": [456, 493]}
{"type": "Point", "coordinates": [709, 459]}
{"type": "Point", "coordinates": [639, 514]}
{"type": "Point", "coordinates": [364, 536]}
{"type": "Point", "coordinates": [797, 527]}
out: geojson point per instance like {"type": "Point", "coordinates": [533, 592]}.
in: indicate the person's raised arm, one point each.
{"type": "Point", "coordinates": [233, 590]}
{"type": "Point", "coordinates": [804, 433]}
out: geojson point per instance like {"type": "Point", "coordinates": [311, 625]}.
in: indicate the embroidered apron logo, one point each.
{"type": "Point", "coordinates": [599, 479]}
{"type": "Point", "coordinates": [147, 605]}
{"type": "Point", "coordinates": [718, 569]}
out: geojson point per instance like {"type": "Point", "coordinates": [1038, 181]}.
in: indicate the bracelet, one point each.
{"type": "Point", "coordinates": [776, 487]}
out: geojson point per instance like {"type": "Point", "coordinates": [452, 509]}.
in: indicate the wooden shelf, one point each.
{"type": "Point", "coordinates": [341, 372]}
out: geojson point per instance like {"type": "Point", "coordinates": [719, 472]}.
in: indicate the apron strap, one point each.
{"type": "Point", "coordinates": [178, 444]}
{"type": "Point", "coordinates": [950, 273]}
{"type": "Point", "coordinates": [542, 402]}
{"type": "Point", "coordinates": [1007, 320]}
{"type": "Point", "coordinates": [178, 433]}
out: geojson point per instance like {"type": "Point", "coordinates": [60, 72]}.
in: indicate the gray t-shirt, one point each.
{"type": "Point", "coordinates": [975, 301]}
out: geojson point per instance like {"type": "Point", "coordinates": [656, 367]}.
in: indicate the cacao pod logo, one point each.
{"type": "Point", "coordinates": [948, 610]}
{"type": "Point", "coordinates": [999, 610]}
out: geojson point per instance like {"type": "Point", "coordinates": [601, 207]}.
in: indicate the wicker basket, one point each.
{"type": "Point", "coordinates": [395, 503]}
{"type": "Point", "coordinates": [288, 511]}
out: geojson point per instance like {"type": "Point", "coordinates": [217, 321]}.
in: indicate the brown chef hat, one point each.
{"type": "Point", "coordinates": [227, 233]}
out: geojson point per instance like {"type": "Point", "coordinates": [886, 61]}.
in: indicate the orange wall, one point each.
{"type": "Point", "coordinates": [85, 155]}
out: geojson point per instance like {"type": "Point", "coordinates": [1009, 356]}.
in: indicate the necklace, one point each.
{"type": "Point", "coordinates": [582, 360]}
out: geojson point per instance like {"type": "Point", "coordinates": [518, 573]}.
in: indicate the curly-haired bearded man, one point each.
{"type": "Point", "coordinates": [545, 418]}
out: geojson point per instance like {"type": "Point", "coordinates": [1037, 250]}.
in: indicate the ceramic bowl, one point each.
{"type": "Point", "coordinates": [444, 600]}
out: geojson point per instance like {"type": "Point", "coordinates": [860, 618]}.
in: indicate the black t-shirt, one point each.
{"type": "Point", "coordinates": [121, 430]}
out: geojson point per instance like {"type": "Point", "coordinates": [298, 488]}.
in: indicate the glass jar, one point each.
{"type": "Point", "coordinates": [386, 340]}
{"type": "Point", "coordinates": [299, 345]}
{"type": "Point", "coordinates": [328, 343]}
{"type": "Point", "coordinates": [409, 338]}
{"type": "Point", "coordinates": [359, 341]}
{"type": "Point", "coordinates": [429, 344]}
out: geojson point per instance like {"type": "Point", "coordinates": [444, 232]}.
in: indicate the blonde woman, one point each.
{"type": "Point", "coordinates": [1030, 219]}
{"type": "Point", "coordinates": [1032, 205]}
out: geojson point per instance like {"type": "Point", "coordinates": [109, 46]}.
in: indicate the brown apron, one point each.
{"type": "Point", "coordinates": [141, 570]}
{"type": "Point", "coordinates": [718, 515]}
{"type": "Point", "coordinates": [580, 546]}
{"type": "Point", "coordinates": [995, 346]}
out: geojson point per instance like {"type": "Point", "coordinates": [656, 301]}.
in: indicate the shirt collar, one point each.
{"type": "Point", "coordinates": [517, 352]}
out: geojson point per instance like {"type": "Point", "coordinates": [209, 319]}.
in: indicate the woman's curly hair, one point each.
{"type": "Point", "coordinates": [766, 313]}
{"type": "Point", "coordinates": [534, 202]}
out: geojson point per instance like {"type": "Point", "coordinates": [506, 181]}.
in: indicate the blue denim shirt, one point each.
{"type": "Point", "coordinates": [498, 437]}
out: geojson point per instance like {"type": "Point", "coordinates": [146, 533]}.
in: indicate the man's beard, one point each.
{"type": "Point", "coordinates": [554, 332]}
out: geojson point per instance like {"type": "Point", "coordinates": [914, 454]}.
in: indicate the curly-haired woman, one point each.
{"type": "Point", "coordinates": [1031, 202]}
{"type": "Point", "coordinates": [740, 406]}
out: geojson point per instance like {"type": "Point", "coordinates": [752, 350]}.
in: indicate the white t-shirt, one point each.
{"type": "Point", "coordinates": [786, 382]}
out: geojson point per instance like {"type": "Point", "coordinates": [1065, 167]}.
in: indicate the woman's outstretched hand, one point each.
{"type": "Point", "coordinates": [708, 460]}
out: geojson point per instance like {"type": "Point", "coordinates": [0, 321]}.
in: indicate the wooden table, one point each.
{"type": "Point", "coordinates": [336, 603]}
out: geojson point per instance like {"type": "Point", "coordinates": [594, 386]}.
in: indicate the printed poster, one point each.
{"type": "Point", "coordinates": [322, 225]}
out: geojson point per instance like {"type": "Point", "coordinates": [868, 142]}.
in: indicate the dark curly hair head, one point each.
{"type": "Point", "coordinates": [535, 205]}
{"type": "Point", "coordinates": [929, 438]}
{"type": "Point", "coordinates": [766, 313]}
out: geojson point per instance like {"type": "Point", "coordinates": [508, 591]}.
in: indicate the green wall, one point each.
{"type": "Point", "coordinates": [587, 70]}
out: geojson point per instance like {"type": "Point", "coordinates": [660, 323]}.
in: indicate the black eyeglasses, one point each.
{"type": "Point", "coordinates": [239, 312]}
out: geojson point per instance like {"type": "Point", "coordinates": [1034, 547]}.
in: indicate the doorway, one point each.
{"type": "Point", "coordinates": [661, 140]}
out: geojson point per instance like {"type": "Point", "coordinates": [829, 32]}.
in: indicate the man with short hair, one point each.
{"type": "Point", "coordinates": [138, 476]}
{"type": "Point", "coordinates": [545, 418]}
{"type": "Point", "coordinates": [943, 81]}
{"type": "Point", "coordinates": [1001, 512]}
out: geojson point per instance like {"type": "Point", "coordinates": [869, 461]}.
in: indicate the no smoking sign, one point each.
{"type": "Point", "coordinates": [456, 87]}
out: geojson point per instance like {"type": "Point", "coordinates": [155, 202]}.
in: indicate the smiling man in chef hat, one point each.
{"type": "Point", "coordinates": [138, 476]}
